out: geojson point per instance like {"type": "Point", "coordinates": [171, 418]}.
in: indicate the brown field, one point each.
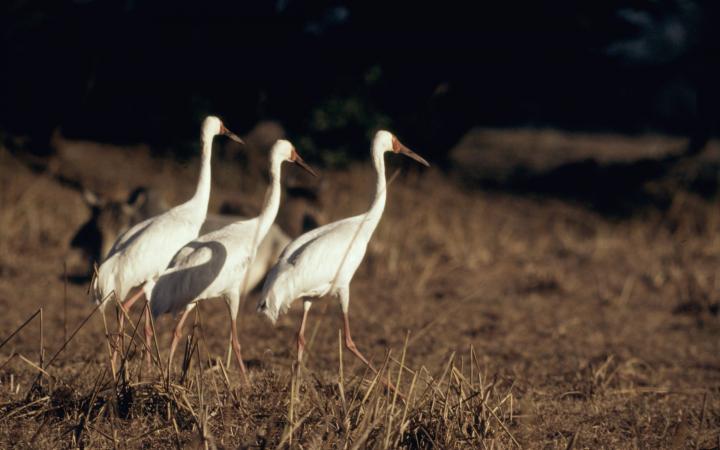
{"type": "Point", "coordinates": [523, 320]}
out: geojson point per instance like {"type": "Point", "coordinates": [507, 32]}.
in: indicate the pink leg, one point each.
{"type": "Point", "coordinates": [351, 345]}
{"type": "Point", "coordinates": [236, 348]}
{"type": "Point", "coordinates": [177, 334]}
{"type": "Point", "coordinates": [301, 333]}
{"type": "Point", "coordinates": [148, 337]}
{"type": "Point", "coordinates": [108, 340]}
{"type": "Point", "coordinates": [354, 350]}
{"type": "Point", "coordinates": [126, 305]}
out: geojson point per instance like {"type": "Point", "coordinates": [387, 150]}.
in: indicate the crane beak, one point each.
{"type": "Point", "coordinates": [297, 159]}
{"type": "Point", "coordinates": [231, 135]}
{"type": "Point", "coordinates": [398, 147]}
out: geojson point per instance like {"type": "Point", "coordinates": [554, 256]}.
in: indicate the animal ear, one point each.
{"type": "Point", "coordinates": [92, 199]}
{"type": "Point", "coordinates": [138, 200]}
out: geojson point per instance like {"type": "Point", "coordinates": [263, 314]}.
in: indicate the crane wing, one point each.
{"type": "Point", "coordinates": [190, 277]}
{"type": "Point", "coordinates": [311, 267]}
{"type": "Point", "coordinates": [204, 268]}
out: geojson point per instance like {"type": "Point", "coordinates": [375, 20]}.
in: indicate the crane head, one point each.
{"type": "Point", "coordinates": [285, 151]}
{"type": "Point", "coordinates": [214, 126]}
{"type": "Point", "coordinates": [386, 141]}
{"type": "Point", "coordinates": [398, 147]}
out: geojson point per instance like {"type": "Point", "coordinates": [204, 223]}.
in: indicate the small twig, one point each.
{"type": "Point", "coordinates": [33, 365]}
{"type": "Point", "coordinates": [17, 330]}
{"type": "Point", "coordinates": [395, 391]}
{"type": "Point", "coordinates": [42, 338]}
{"type": "Point", "coordinates": [571, 442]}
{"type": "Point", "coordinates": [23, 407]}
{"type": "Point", "coordinates": [137, 438]}
{"type": "Point", "coordinates": [702, 420]}
{"type": "Point", "coordinates": [65, 298]}
{"type": "Point", "coordinates": [505, 428]}
{"type": "Point", "coordinates": [67, 341]}
{"type": "Point", "coordinates": [101, 433]}
{"type": "Point", "coordinates": [8, 360]}
{"type": "Point", "coordinates": [287, 436]}
{"type": "Point", "coordinates": [40, 428]}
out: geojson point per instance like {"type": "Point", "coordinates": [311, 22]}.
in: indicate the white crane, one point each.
{"type": "Point", "coordinates": [144, 251]}
{"type": "Point", "coordinates": [323, 261]}
{"type": "Point", "coordinates": [216, 264]}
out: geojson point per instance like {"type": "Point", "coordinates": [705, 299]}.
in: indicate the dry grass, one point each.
{"type": "Point", "coordinates": [506, 321]}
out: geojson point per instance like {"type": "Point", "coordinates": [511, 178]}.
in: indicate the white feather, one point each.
{"type": "Point", "coordinates": [144, 251]}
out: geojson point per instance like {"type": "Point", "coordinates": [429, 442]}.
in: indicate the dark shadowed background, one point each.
{"type": "Point", "coordinates": [332, 71]}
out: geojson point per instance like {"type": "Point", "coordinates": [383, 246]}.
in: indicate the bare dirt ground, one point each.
{"type": "Point", "coordinates": [524, 321]}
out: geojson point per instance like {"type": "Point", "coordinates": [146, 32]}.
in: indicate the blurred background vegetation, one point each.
{"type": "Point", "coordinates": [331, 72]}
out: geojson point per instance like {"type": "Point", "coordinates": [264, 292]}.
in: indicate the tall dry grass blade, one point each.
{"type": "Point", "coordinates": [472, 363]}
{"type": "Point", "coordinates": [505, 429]}
{"type": "Point", "coordinates": [226, 380]}
{"type": "Point", "coordinates": [698, 438]}
{"type": "Point", "coordinates": [402, 366]}
{"type": "Point", "coordinates": [10, 358]}
{"type": "Point", "coordinates": [83, 425]}
{"type": "Point", "coordinates": [18, 329]}
{"type": "Point", "coordinates": [111, 415]}
{"type": "Point", "coordinates": [178, 442]}
{"type": "Point", "coordinates": [33, 365]}
{"type": "Point", "coordinates": [362, 439]}
{"type": "Point", "coordinates": [291, 406]}
{"type": "Point", "coordinates": [571, 443]}
{"type": "Point", "coordinates": [191, 348]}
{"type": "Point", "coordinates": [155, 341]}
{"type": "Point", "coordinates": [65, 344]}
{"type": "Point", "coordinates": [123, 360]}
{"type": "Point", "coordinates": [356, 393]}
{"type": "Point", "coordinates": [109, 346]}
{"type": "Point", "coordinates": [288, 434]}
{"type": "Point", "coordinates": [42, 339]}
{"type": "Point", "coordinates": [202, 341]}
{"type": "Point", "coordinates": [148, 433]}
{"type": "Point", "coordinates": [65, 299]}
{"type": "Point", "coordinates": [103, 434]}
{"type": "Point", "coordinates": [45, 421]}
{"type": "Point", "coordinates": [341, 373]}
{"type": "Point", "coordinates": [213, 379]}
{"type": "Point", "coordinates": [403, 423]}
{"type": "Point", "coordinates": [17, 410]}
{"type": "Point", "coordinates": [391, 411]}
{"type": "Point", "coordinates": [374, 383]}
{"type": "Point", "coordinates": [447, 369]}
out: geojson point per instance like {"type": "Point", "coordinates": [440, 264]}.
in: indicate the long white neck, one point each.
{"type": "Point", "coordinates": [202, 193]}
{"type": "Point", "coordinates": [372, 217]}
{"type": "Point", "coordinates": [272, 201]}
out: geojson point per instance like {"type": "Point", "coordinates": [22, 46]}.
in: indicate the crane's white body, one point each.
{"type": "Point", "coordinates": [144, 251]}
{"type": "Point", "coordinates": [318, 263]}
{"type": "Point", "coordinates": [216, 264]}
{"type": "Point", "coordinates": [211, 266]}
{"type": "Point", "coordinates": [323, 261]}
